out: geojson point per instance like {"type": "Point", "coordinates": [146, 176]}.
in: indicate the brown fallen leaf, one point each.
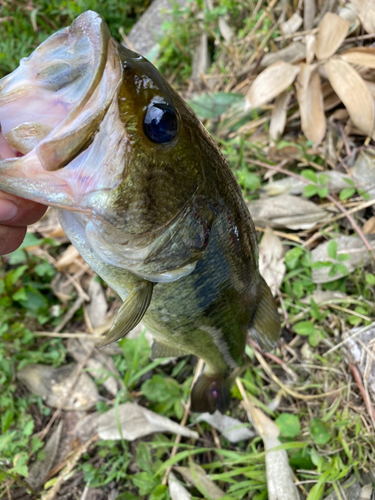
{"type": "Point", "coordinates": [292, 24]}
{"type": "Point", "coordinates": [97, 307]}
{"type": "Point", "coordinates": [286, 210]}
{"type": "Point", "coordinates": [176, 490]}
{"type": "Point", "coordinates": [280, 483]}
{"type": "Point", "coordinates": [353, 92]}
{"type": "Point", "coordinates": [310, 100]}
{"type": "Point", "coordinates": [271, 260]}
{"type": "Point", "coordinates": [201, 480]}
{"type": "Point", "coordinates": [278, 116]}
{"type": "Point", "coordinates": [232, 429]}
{"type": "Point", "coordinates": [351, 245]}
{"type": "Point", "coordinates": [332, 32]}
{"type": "Point", "coordinates": [369, 226]}
{"type": "Point", "coordinates": [68, 257]}
{"type": "Point", "coordinates": [270, 83]}
{"type": "Point", "coordinates": [361, 56]}
{"type": "Point", "coordinates": [366, 13]}
{"type": "Point", "coordinates": [40, 468]}
{"type": "Point", "coordinates": [53, 384]}
{"type": "Point", "coordinates": [100, 366]}
{"type": "Point", "coordinates": [133, 421]}
{"type": "Point", "coordinates": [293, 53]}
{"type": "Point", "coordinates": [364, 172]}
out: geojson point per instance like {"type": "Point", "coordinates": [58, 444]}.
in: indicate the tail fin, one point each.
{"type": "Point", "coordinates": [265, 325]}
{"type": "Point", "coordinates": [211, 393]}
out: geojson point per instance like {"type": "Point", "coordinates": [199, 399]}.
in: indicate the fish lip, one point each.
{"type": "Point", "coordinates": [89, 37]}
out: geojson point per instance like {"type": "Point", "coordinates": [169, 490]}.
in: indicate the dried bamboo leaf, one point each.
{"type": "Point", "coordinates": [371, 87]}
{"type": "Point", "coordinates": [39, 469]}
{"type": "Point", "coordinates": [366, 13]}
{"type": "Point", "coordinates": [310, 100]}
{"type": "Point", "coordinates": [291, 25]}
{"type": "Point", "coordinates": [271, 260]}
{"type": "Point", "coordinates": [293, 53]}
{"type": "Point", "coordinates": [309, 12]}
{"type": "Point", "coordinates": [351, 245]}
{"type": "Point", "coordinates": [53, 384]}
{"type": "Point", "coordinates": [232, 429]}
{"type": "Point", "coordinates": [286, 211]}
{"type": "Point", "coordinates": [364, 172]}
{"type": "Point", "coordinates": [270, 83]}
{"type": "Point", "coordinates": [68, 257]}
{"type": "Point", "coordinates": [280, 483]}
{"type": "Point", "coordinates": [134, 422]}
{"type": "Point", "coordinates": [333, 30]}
{"type": "Point", "coordinates": [292, 185]}
{"type": "Point", "coordinates": [97, 307]}
{"type": "Point", "coordinates": [310, 48]}
{"type": "Point", "coordinates": [360, 57]}
{"type": "Point", "coordinates": [201, 59]}
{"type": "Point", "coordinates": [176, 490]}
{"type": "Point", "coordinates": [201, 480]}
{"type": "Point", "coordinates": [225, 30]}
{"type": "Point", "coordinates": [278, 116]}
{"type": "Point", "coordinates": [353, 92]}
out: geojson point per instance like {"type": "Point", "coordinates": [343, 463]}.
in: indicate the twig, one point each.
{"type": "Point", "coordinates": [69, 315]}
{"type": "Point", "coordinates": [198, 371]}
{"type": "Point", "coordinates": [80, 367]}
{"type": "Point", "coordinates": [366, 399]}
{"type": "Point", "coordinates": [274, 358]}
{"type": "Point", "coordinates": [51, 494]}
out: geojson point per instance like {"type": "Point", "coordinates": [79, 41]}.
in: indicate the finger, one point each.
{"type": "Point", "coordinates": [11, 238]}
{"type": "Point", "coordinates": [15, 211]}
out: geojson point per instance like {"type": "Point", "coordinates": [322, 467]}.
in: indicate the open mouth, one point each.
{"type": "Point", "coordinates": [51, 108]}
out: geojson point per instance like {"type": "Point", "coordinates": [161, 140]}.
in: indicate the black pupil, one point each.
{"type": "Point", "coordinates": [160, 123]}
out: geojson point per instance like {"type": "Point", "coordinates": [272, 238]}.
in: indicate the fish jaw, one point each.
{"type": "Point", "coordinates": [59, 104]}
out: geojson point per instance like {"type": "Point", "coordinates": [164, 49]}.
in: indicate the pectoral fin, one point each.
{"type": "Point", "coordinates": [160, 350]}
{"type": "Point", "coordinates": [265, 325]}
{"type": "Point", "coordinates": [131, 312]}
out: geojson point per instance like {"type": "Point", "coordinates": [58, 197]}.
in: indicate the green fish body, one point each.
{"type": "Point", "coordinates": [145, 196]}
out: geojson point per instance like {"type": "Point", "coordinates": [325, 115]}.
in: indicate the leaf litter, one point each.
{"type": "Point", "coordinates": [293, 97]}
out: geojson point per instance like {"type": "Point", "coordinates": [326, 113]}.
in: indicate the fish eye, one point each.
{"type": "Point", "coordinates": [160, 123]}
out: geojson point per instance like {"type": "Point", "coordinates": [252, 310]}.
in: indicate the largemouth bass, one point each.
{"type": "Point", "coordinates": [144, 194]}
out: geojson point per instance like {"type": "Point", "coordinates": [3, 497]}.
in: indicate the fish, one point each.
{"type": "Point", "coordinates": [144, 194]}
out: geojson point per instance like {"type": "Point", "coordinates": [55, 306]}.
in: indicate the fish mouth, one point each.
{"type": "Point", "coordinates": [56, 109]}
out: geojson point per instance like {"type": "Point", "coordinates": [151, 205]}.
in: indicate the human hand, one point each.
{"type": "Point", "coordinates": [15, 214]}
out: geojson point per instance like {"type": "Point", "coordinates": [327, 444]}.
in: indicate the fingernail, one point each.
{"type": "Point", "coordinates": [8, 210]}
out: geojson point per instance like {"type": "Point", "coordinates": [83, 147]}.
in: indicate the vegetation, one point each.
{"type": "Point", "coordinates": [317, 394]}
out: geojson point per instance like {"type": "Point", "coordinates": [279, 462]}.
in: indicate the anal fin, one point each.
{"type": "Point", "coordinates": [265, 325]}
{"type": "Point", "coordinates": [160, 350]}
{"type": "Point", "coordinates": [131, 312]}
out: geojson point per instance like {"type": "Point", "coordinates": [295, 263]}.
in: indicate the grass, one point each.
{"type": "Point", "coordinates": [308, 390]}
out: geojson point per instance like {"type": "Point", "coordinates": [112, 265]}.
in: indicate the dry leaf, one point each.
{"type": "Point", "coordinates": [310, 100]}
{"type": "Point", "coordinates": [176, 490]}
{"type": "Point", "coordinates": [135, 422]}
{"type": "Point", "coordinates": [364, 172]}
{"type": "Point", "coordinates": [97, 307]}
{"type": "Point", "coordinates": [356, 348]}
{"type": "Point", "coordinates": [225, 30]}
{"type": "Point", "coordinates": [369, 226]}
{"type": "Point", "coordinates": [332, 32]}
{"type": "Point", "coordinates": [353, 92]}
{"type": "Point", "coordinates": [232, 429]}
{"type": "Point", "coordinates": [310, 41]}
{"type": "Point", "coordinates": [348, 12]}
{"type": "Point", "coordinates": [278, 116]}
{"type": "Point", "coordinates": [351, 245]}
{"type": "Point", "coordinates": [39, 469]}
{"type": "Point", "coordinates": [53, 384]}
{"type": "Point", "coordinates": [280, 483]}
{"type": "Point", "coordinates": [201, 59]}
{"type": "Point", "coordinates": [100, 366]}
{"type": "Point", "coordinates": [309, 12]}
{"type": "Point", "coordinates": [68, 257]}
{"type": "Point", "coordinates": [292, 185]}
{"type": "Point", "coordinates": [366, 13]}
{"type": "Point", "coordinates": [361, 56]}
{"type": "Point", "coordinates": [320, 296]}
{"type": "Point", "coordinates": [291, 25]}
{"type": "Point", "coordinates": [271, 260]}
{"type": "Point", "coordinates": [331, 99]}
{"type": "Point", "coordinates": [293, 53]}
{"type": "Point", "coordinates": [270, 83]}
{"type": "Point", "coordinates": [286, 211]}
{"type": "Point", "coordinates": [201, 480]}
